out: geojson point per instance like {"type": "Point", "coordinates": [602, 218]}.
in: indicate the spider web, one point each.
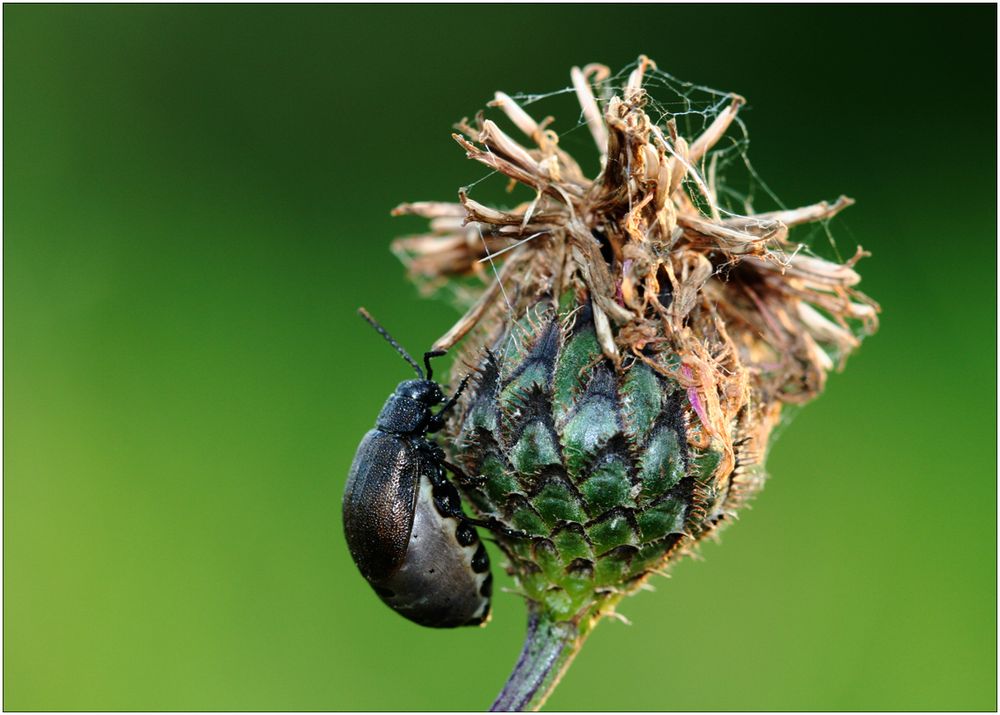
{"type": "Point", "coordinates": [738, 188]}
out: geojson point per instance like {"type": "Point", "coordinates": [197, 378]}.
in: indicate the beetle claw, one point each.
{"type": "Point", "coordinates": [495, 525]}
{"type": "Point", "coordinates": [464, 479]}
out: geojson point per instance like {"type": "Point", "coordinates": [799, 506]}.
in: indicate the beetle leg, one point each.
{"type": "Point", "coordinates": [454, 398]}
{"type": "Point", "coordinates": [493, 524]}
{"type": "Point", "coordinates": [446, 497]}
{"type": "Point", "coordinates": [448, 501]}
{"type": "Point", "coordinates": [464, 479]}
{"type": "Point", "coordinates": [436, 421]}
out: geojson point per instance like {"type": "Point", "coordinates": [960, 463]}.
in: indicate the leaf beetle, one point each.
{"type": "Point", "coordinates": [403, 519]}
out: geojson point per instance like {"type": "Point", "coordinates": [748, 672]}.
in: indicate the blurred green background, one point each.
{"type": "Point", "coordinates": [197, 199]}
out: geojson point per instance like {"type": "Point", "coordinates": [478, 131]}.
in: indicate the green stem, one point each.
{"type": "Point", "coordinates": [549, 648]}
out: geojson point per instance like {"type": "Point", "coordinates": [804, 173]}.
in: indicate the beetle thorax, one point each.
{"type": "Point", "coordinates": [404, 416]}
{"type": "Point", "coordinates": [408, 409]}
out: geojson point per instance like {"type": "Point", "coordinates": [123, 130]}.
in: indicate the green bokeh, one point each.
{"type": "Point", "coordinates": [196, 200]}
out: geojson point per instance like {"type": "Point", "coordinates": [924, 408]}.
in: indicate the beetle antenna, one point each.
{"type": "Point", "coordinates": [392, 341]}
{"type": "Point", "coordinates": [427, 361]}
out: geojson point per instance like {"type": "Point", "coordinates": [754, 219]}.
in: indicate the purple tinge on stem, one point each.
{"type": "Point", "coordinates": [548, 649]}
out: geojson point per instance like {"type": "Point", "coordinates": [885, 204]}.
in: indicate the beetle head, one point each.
{"type": "Point", "coordinates": [426, 392]}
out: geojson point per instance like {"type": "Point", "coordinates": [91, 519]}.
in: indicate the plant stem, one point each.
{"type": "Point", "coordinates": [549, 647]}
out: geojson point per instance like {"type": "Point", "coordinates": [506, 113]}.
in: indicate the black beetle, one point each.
{"type": "Point", "coordinates": [403, 519]}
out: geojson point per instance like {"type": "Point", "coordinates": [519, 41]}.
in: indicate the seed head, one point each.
{"type": "Point", "coordinates": [634, 343]}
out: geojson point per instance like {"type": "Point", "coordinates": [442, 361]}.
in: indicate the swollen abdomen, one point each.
{"type": "Point", "coordinates": [441, 583]}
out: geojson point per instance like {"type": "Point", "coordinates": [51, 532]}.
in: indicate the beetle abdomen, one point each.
{"type": "Point", "coordinates": [407, 539]}
{"type": "Point", "coordinates": [445, 579]}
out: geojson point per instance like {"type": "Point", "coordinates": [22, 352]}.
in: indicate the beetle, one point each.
{"type": "Point", "coordinates": [403, 519]}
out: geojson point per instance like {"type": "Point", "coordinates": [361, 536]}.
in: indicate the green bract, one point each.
{"type": "Point", "coordinates": [592, 465]}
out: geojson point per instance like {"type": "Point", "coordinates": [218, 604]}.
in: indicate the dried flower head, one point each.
{"type": "Point", "coordinates": [634, 343]}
